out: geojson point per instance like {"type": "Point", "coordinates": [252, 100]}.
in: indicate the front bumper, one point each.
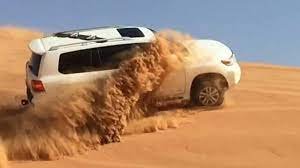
{"type": "Point", "coordinates": [234, 74]}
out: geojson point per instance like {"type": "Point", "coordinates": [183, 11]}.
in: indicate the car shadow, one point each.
{"type": "Point", "coordinates": [11, 110]}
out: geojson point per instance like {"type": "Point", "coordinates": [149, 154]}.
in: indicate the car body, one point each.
{"type": "Point", "coordinates": [58, 61]}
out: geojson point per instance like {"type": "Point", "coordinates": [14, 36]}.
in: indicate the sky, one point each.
{"type": "Point", "coordinates": [266, 31]}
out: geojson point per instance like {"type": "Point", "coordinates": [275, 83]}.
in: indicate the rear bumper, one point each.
{"type": "Point", "coordinates": [29, 95]}
{"type": "Point", "coordinates": [29, 76]}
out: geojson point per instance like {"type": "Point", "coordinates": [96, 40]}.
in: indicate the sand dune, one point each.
{"type": "Point", "coordinates": [13, 54]}
{"type": "Point", "coordinates": [257, 127]}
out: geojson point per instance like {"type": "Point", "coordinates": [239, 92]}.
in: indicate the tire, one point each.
{"type": "Point", "coordinates": [207, 93]}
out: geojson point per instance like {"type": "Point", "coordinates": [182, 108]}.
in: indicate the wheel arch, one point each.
{"type": "Point", "coordinates": [215, 77]}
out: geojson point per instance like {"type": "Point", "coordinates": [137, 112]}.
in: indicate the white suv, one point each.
{"type": "Point", "coordinates": [81, 56]}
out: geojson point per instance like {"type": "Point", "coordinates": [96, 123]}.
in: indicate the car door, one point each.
{"type": "Point", "coordinates": [173, 85]}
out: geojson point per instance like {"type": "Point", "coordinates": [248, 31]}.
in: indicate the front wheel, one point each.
{"type": "Point", "coordinates": [207, 94]}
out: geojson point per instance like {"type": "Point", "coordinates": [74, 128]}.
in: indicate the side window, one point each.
{"type": "Point", "coordinates": [96, 59]}
{"type": "Point", "coordinates": [79, 61]}
{"type": "Point", "coordinates": [112, 56]}
{"type": "Point", "coordinates": [130, 32]}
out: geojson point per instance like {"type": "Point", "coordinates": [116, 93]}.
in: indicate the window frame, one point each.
{"type": "Point", "coordinates": [99, 52]}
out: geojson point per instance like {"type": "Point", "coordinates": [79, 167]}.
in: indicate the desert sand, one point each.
{"type": "Point", "coordinates": [258, 126]}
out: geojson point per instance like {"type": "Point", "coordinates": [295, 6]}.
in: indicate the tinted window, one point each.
{"type": "Point", "coordinates": [104, 58]}
{"type": "Point", "coordinates": [34, 64]}
{"type": "Point", "coordinates": [79, 61]}
{"type": "Point", "coordinates": [112, 56]}
{"type": "Point", "coordinates": [131, 32]}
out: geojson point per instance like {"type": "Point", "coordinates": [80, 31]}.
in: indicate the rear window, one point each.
{"type": "Point", "coordinates": [131, 32]}
{"type": "Point", "coordinates": [96, 59]}
{"type": "Point", "coordinates": [34, 64]}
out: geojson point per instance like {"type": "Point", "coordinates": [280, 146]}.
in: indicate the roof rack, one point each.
{"type": "Point", "coordinates": [82, 43]}
{"type": "Point", "coordinates": [81, 30]}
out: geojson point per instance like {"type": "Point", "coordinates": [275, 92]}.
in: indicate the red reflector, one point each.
{"type": "Point", "coordinates": [37, 86]}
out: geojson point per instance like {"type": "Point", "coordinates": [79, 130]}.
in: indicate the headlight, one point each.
{"type": "Point", "coordinates": [228, 61]}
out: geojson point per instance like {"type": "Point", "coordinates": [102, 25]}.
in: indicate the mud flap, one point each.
{"type": "Point", "coordinates": [24, 102]}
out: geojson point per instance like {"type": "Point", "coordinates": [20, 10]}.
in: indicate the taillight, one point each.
{"type": "Point", "coordinates": [37, 86]}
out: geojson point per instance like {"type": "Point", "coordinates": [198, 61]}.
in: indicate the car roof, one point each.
{"type": "Point", "coordinates": [83, 37]}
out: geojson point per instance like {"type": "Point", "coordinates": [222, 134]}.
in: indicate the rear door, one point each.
{"type": "Point", "coordinates": [82, 66]}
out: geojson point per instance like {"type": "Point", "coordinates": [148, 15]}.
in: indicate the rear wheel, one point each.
{"type": "Point", "coordinates": [207, 93]}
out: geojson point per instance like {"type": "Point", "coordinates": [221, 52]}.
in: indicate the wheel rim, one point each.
{"type": "Point", "coordinates": [209, 96]}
